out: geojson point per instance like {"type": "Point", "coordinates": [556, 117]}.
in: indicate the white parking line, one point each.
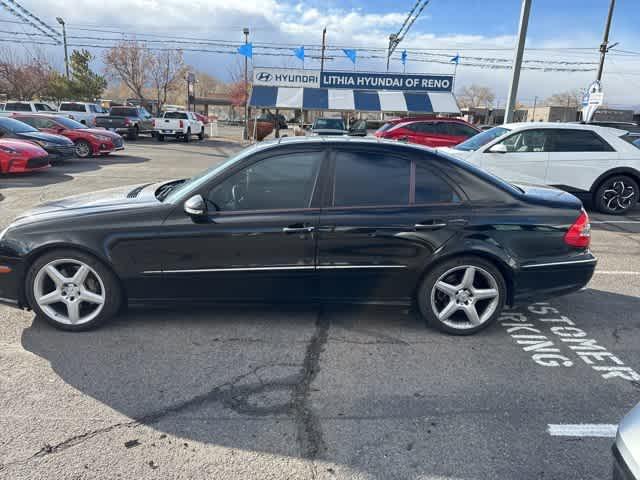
{"type": "Point", "coordinates": [616, 272]}
{"type": "Point", "coordinates": [602, 430]}
{"type": "Point", "coordinates": [615, 221]}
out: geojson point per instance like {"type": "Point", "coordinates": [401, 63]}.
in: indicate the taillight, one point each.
{"type": "Point", "coordinates": [579, 234]}
{"type": "Point", "coordinates": [181, 124]}
{"type": "Point", "coordinates": [127, 122]}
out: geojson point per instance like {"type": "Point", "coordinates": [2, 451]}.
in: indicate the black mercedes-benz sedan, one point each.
{"type": "Point", "coordinates": [331, 219]}
{"type": "Point", "coordinates": [58, 147]}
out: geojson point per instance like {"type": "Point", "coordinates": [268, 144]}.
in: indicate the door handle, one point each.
{"type": "Point", "coordinates": [434, 225]}
{"type": "Point", "coordinates": [298, 229]}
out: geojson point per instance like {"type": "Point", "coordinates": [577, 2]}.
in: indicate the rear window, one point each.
{"type": "Point", "coordinates": [18, 107]}
{"type": "Point", "coordinates": [180, 115]}
{"type": "Point", "coordinates": [633, 139]}
{"type": "Point", "coordinates": [72, 107]}
{"type": "Point", "coordinates": [124, 112]}
{"type": "Point", "coordinates": [579, 141]}
{"type": "Point", "coordinates": [329, 123]}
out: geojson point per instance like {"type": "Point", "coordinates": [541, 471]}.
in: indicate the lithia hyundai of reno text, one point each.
{"type": "Point", "coordinates": [331, 219]}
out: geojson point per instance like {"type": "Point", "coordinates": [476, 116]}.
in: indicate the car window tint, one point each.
{"type": "Point", "coordinates": [528, 141]}
{"type": "Point", "coordinates": [579, 141]}
{"type": "Point", "coordinates": [370, 178]}
{"type": "Point", "coordinates": [281, 182]}
{"type": "Point", "coordinates": [43, 107]}
{"type": "Point", "coordinates": [180, 115]}
{"type": "Point", "coordinates": [72, 107]}
{"type": "Point", "coordinates": [18, 107]}
{"type": "Point", "coordinates": [460, 130]}
{"type": "Point", "coordinates": [431, 188]}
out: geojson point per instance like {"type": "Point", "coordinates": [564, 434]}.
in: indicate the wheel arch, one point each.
{"type": "Point", "coordinates": [499, 259]}
{"type": "Point", "coordinates": [44, 249]}
{"type": "Point", "coordinates": [631, 172]}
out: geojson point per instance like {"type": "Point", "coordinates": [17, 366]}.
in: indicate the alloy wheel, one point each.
{"type": "Point", "coordinates": [618, 196]}
{"type": "Point", "coordinates": [69, 291]}
{"type": "Point", "coordinates": [83, 149]}
{"type": "Point", "coordinates": [465, 297]}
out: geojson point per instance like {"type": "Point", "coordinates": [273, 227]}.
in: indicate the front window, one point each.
{"type": "Point", "coordinates": [14, 126]}
{"type": "Point", "coordinates": [276, 183]}
{"type": "Point", "coordinates": [328, 124]}
{"type": "Point", "coordinates": [528, 141]}
{"type": "Point", "coordinates": [43, 107]}
{"type": "Point", "coordinates": [481, 139]}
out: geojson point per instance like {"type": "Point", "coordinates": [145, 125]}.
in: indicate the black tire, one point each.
{"type": "Point", "coordinates": [616, 195]}
{"type": "Point", "coordinates": [133, 133]}
{"type": "Point", "coordinates": [201, 134]}
{"type": "Point", "coordinates": [424, 298]}
{"type": "Point", "coordinates": [159, 137]}
{"type": "Point", "coordinates": [187, 136]}
{"type": "Point", "coordinates": [83, 149]}
{"type": "Point", "coordinates": [112, 290]}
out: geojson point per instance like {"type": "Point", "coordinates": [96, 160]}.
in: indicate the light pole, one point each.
{"type": "Point", "coordinates": [604, 47]}
{"type": "Point", "coordinates": [246, 86]}
{"type": "Point", "coordinates": [64, 39]}
{"type": "Point", "coordinates": [517, 61]}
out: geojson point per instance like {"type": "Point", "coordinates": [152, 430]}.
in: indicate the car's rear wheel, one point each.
{"type": "Point", "coordinates": [72, 290]}
{"type": "Point", "coordinates": [160, 137]}
{"type": "Point", "coordinates": [462, 295]}
{"type": "Point", "coordinates": [83, 149]}
{"type": "Point", "coordinates": [133, 133]}
{"type": "Point", "coordinates": [201, 134]}
{"type": "Point", "coordinates": [617, 195]}
{"type": "Point", "coordinates": [187, 136]}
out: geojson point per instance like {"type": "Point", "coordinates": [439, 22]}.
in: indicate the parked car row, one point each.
{"type": "Point", "coordinates": [32, 141]}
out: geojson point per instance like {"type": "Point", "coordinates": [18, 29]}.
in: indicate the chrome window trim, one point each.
{"type": "Point", "coordinates": [258, 269]}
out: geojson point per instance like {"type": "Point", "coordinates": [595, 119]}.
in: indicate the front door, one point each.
{"type": "Point", "coordinates": [385, 216]}
{"type": "Point", "coordinates": [524, 158]}
{"type": "Point", "coordinates": [257, 241]}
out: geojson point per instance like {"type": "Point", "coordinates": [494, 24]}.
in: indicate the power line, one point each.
{"type": "Point", "coordinates": [27, 17]}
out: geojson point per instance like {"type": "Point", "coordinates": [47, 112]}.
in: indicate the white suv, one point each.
{"type": "Point", "coordinates": [587, 160]}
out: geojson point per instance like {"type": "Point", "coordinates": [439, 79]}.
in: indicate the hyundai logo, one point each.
{"type": "Point", "coordinates": [264, 77]}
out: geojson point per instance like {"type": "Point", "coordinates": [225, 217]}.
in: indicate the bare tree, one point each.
{"type": "Point", "coordinates": [570, 98]}
{"type": "Point", "coordinates": [167, 69]}
{"type": "Point", "coordinates": [24, 78]}
{"type": "Point", "coordinates": [130, 62]}
{"type": "Point", "coordinates": [476, 96]}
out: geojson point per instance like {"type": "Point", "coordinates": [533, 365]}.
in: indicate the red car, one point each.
{"type": "Point", "coordinates": [18, 156]}
{"type": "Point", "coordinates": [429, 131]}
{"type": "Point", "coordinates": [203, 118]}
{"type": "Point", "coordinates": [88, 141]}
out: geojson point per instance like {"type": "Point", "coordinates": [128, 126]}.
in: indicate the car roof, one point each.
{"type": "Point", "coordinates": [427, 118]}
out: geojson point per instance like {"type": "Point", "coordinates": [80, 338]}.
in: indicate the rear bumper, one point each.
{"type": "Point", "coordinates": [553, 278]}
{"type": "Point", "coordinates": [11, 284]}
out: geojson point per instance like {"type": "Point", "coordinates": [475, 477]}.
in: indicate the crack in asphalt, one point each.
{"type": "Point", "coordinates": [239, 395]}
{"type": "Point", "coordinates": [310, 438]}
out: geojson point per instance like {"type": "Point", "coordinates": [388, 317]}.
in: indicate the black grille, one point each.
{"type": "Point", "coordinates": [63, 151]}
{"type": "Point", "coordinates": [37, 162]}
{"type": "Point", "coordinates": [136, 191]}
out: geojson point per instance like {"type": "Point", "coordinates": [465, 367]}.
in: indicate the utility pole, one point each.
{"type": "Point", "coordinates": [604, 46]}
{"type": "Point", "coordinates": [535, 102]}
{"type": "Point", "coordinates": [245, 30]}
{"type": "Point", "coordinates": [324, 37]}
{"type": "Point", "coordinates": [393, 40]}
{"type": "Point", "coordinates": [517, 61]}
{"type": "Point", "coordinates": [64, 39]}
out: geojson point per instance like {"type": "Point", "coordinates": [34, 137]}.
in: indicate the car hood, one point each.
{"type": "Point", "coordinates": [45, 137]}
{"type": "Point", "coordinates": [118, 198]}
{"type": "Point", "coordinates": [462, 154]}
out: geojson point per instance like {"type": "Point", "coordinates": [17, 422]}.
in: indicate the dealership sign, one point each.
{"type": "Point", "coordinates": [387, 81]}
{"type": "Point", "coordinates": [286, 77]}
{"type": "Point", "coordinates": [592, 99]}
{"type": "Point", "coordinates": [296, 78]}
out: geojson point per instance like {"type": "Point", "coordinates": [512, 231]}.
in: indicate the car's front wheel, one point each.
{"type": "Point", "coordinates": [462, 295]}
{"type": "Point", "coordinates": [72, 290]}
{"type": "Point", "coordinates": [83, 149]}
{"type": "Point", "coordinates": [617, 195]}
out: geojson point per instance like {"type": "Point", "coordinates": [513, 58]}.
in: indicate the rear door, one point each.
{"type": "Point", "coordinates": [578, 158]}
{"type": "Point", "coordinates": [385, 214]}
{"type": "Point", "coordinates": [524, 158]}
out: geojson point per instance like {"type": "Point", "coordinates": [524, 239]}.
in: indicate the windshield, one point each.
{"type": "Point", "coordinates": [70, 124]}
{"type": "Point", "coordinates": [183, 187]}
{"type": "Point", "coordinates": [481, 139]}
{"type": "Point", "coordinates": [180, 115]}
{"type": "Point", "coordinates": [15, 126]}
{"type": "Point", "coordinates": [329, 123]}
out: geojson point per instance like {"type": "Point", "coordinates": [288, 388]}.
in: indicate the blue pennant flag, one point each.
{"type": "Point", "coordinates": [246, 50]}
{"type": "Point", "coordinates": [456, 59]}
{"type": "Point", "coordinates": [403, 57]}
{"type": "Point", "coordinates": [351, 54]}
{"type": "Point", "coordinates": [299, 52]}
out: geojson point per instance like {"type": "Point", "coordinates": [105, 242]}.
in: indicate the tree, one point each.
{"type": "Point", "coordinates": [129, 62]}
{"type": "Point", "coordinates": [476, 96]}
{"type": "Point", "coordinates": [166, 71]}
{"type": "Point", "coordinates": [24, 78]}
{"type": "Point", "coordinates": [570, 98]}
{"type": "Point", "coordinates": [84, 83]}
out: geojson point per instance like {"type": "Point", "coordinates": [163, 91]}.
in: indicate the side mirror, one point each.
{"type": "Point", "coordinates": [499, 148]}
{"type": "Point", "coordinates": [195, 206]}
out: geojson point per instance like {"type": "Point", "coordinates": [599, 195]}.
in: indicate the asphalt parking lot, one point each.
{"type": "Point", "coordinates": [315, 391]}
